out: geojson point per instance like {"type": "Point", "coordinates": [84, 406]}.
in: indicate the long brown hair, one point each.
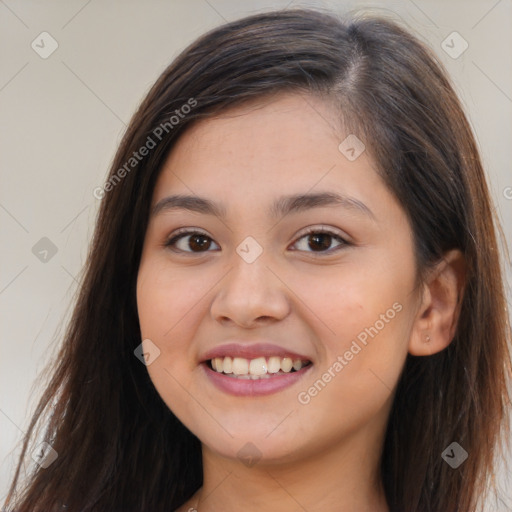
{"type": "Point", "coordinates": [119, 446]}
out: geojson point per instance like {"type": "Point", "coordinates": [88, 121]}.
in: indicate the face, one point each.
{"type": "Point", "coordinates": [323, 282]}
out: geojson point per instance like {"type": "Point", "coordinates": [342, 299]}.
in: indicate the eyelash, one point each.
{"type": "Point", "coordinates": [184, 232]}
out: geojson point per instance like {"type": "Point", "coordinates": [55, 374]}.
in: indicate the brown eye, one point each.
{"type": "Point", "coordinates": [319, 241]}
{"type": "Point", "coordinates": [197, 242]}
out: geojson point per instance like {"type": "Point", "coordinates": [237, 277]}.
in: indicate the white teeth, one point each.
{"type": "Point", "coordinates": [227, 365]}
{"type": "Point", "coordinates": [260, 367]}
{"type": "Point", "coordinates": [240, 366]}
{"type": "Point", "coordinates": [286, 364]}
{"type": "Point", "coordinates": [274, 364]}
{"type": "Point", "coordinates": [219, 361]}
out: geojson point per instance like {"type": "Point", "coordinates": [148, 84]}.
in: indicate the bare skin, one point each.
{"type": "Point", "coordinates": [313, 451]}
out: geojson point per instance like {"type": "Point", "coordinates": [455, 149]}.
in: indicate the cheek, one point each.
{"type": "Point", "coordinates": [363, 316]}
{"type": "Point", "coordinates": [167, 309]}
{"type": "Point", "coordinates": [345, 300]}
{"type": "Point", "coordinates": [168, 303]}
{"type": "Point", "coordinates": [165, 297]}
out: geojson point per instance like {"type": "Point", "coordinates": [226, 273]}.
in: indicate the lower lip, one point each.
{"type": "Point", "coordinates": [258, 387]}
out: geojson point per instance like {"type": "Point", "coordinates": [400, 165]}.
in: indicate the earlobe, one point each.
{"type": "Point", "coordinates": [437, 317]}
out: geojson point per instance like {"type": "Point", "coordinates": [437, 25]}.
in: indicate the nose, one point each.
{"type": "Point", "coordinates": [250, 295]}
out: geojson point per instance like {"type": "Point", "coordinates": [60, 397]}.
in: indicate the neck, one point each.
{"type": "Point", "coordinates": [344, 477]}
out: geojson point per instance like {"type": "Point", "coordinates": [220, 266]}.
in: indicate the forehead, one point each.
{"type": "Point", "coordinates": [288, 136]}
{"type": "Point", "coordinates": [268, 128]}
{"type": "Point", "coordinates": [249, 156]}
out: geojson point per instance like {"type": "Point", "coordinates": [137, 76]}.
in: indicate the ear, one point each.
{"type": "Point", "coordinates": [436, 321]}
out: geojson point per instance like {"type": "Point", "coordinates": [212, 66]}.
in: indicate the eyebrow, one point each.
{"type": "Point", "coordinates": [280, 207]}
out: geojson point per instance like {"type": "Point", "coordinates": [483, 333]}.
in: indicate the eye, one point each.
{"type": "Point", "coordinates": [320, 239]}
{"type": "Point", "coordinates": [198, 241]}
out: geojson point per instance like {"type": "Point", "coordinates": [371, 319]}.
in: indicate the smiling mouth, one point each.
{"type": "Point", "coordinates": [258, 368]}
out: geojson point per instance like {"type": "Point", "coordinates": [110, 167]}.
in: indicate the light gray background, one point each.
{"type": "Point", "coordinates": [63, 117]}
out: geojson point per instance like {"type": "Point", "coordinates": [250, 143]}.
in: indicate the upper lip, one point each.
{"type": "Point", "coordinates": [251, 351]}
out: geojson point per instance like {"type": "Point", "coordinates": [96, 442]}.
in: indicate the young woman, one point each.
{"type": "Point", "coordinates": [293, 299]}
